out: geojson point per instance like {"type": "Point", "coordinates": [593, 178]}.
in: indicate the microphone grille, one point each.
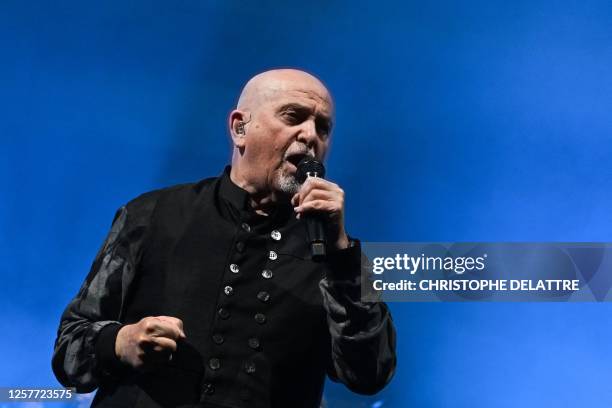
{"type": "Point", "coordinates": [309, 165]}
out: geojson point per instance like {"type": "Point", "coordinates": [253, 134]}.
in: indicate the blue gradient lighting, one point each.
{"type": "Point", "coordinates": [456, 121]}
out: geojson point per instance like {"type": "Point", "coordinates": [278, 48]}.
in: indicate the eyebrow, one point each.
{"type": "Point", "coordinates": [305, 108]}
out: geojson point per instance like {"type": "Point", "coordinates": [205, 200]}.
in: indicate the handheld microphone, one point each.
{"type": "Point", "coordinates": [315, 225]}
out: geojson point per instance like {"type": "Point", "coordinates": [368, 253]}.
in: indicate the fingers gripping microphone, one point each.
{"type": "Point", "coordinates": [315, 225]}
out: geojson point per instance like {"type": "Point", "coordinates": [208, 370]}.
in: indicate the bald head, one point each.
{"type": "Point", "coordinates": [265, 86]}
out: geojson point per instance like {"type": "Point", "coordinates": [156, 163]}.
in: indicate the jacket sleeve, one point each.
{"type": "Point", "coordinates": [85, 345]}
{"type": "Point", "coordinates": [362, 333]}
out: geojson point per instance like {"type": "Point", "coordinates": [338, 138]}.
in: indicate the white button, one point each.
{"type": "Point", "coordinates": [273, 255]}
{"type": "Point", "coordinates": [229, 291]}
{"type": "Point", "coordinates": [234, 268]}
{"type": "Point", "coordinates": [276, 235]}
{"type": "Point", "coordinates": [246, 227]}
{"type": "Point", "coordinates": [266, 273]}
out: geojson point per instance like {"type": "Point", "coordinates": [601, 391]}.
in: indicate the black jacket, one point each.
{"type": "Point", "coordinates": [264, 323]}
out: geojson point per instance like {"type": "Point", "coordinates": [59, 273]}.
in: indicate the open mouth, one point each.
{"type": "Point", "coordinates": [295, 158]}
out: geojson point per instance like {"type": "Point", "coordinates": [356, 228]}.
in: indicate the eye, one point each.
{"type": "Point", "coordinates": [292, 116]}
{"type": "Point", "coordinates": [323, 127]}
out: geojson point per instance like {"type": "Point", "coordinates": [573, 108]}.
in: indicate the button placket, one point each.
{"type": "Point", "coordinates": [263, 296]}
{"type": "Point", "coordinates": [234, 268]}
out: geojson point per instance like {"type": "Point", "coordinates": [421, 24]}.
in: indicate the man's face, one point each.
{"type": "Point", "coordinates": [294, 119]}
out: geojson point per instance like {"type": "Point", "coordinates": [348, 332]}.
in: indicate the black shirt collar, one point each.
{"type": "Point", "coordinates": [231, 193]}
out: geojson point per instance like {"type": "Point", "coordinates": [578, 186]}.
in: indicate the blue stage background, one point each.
{"type": "Point", "coordinates": [456, 121]}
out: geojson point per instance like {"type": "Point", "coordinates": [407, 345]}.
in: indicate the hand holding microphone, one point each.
{"type": "Point", "coordinates": [321, 203]}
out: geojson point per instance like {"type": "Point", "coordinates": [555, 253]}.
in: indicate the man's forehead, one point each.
{"type": "Point", "coordinates": [279, 85]}
{"type": "Point", "coordinates": [295, 88]}
{"type": "Point", "coordinates": [316, 98]}
{"type": "Point", "coordinates": [303, 97]}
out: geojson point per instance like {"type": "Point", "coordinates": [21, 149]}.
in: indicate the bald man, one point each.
{"type": "Point", "coordinates": [206, 294]}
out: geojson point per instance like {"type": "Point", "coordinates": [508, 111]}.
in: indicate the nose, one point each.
{"type": "Point", "coordinates": [308, 133]}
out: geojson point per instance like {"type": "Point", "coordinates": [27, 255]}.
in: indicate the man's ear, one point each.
{"type": "Point", "coordinates": [237, 126]}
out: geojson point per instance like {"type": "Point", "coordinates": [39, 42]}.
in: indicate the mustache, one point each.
{"type": "Point", "coordinates": [302, 150]}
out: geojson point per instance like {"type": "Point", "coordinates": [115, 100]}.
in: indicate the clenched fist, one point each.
{"type": "Point", "coordinates": [151, 340]}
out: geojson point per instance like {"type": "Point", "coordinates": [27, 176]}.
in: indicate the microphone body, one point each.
{"type": "Point", "coordinates": [316, 235]}
{"type": "Point", "coordinates": [315, 224]}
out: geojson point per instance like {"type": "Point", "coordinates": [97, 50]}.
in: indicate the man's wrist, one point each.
{"type": "Point", "coordinates": [108, 361]}
{"type": "Point", "coordinates": [345, 264]}
{"type": "Point", "coordinates": [343, 242]}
